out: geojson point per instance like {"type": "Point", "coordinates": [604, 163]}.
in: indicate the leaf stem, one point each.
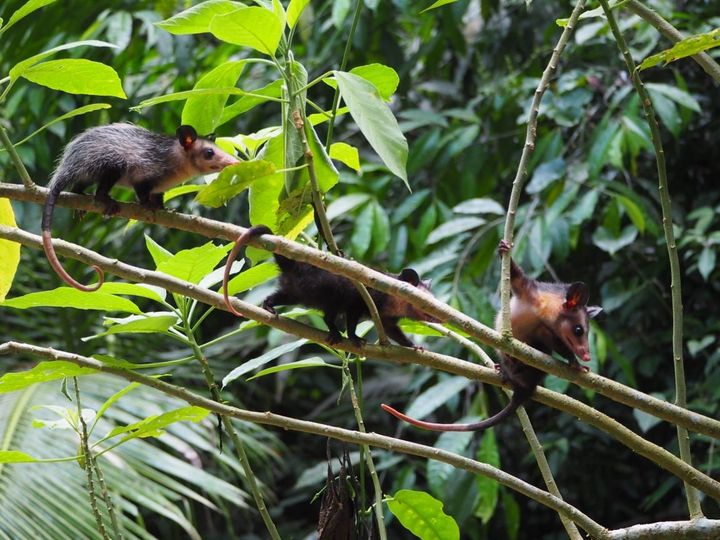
{"type": "Point", "coordinates": [19, 165]}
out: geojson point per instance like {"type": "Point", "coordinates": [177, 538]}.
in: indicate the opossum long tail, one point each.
{"type": "Point", "coordinates": [239, 243]}
{"type": "Point", "coordinates": [519, 397]}
{"type": "Point", "coordinates": [50, 250]}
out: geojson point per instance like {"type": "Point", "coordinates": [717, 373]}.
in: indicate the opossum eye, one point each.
{"type": "Point", "coordinates": [208, 153]}
{"type": "Point", "coordinates": [578, 330]}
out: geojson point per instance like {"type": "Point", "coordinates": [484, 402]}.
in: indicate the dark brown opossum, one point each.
{"type": "Point", "coordinates": [551, 317]}
{"type": "Point", "coordinates": [304, 284]}
{"type": "Point", "coordinates": [131, 156]}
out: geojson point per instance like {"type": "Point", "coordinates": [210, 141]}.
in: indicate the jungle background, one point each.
{"type": "Point", "coordinates": [589, 212]}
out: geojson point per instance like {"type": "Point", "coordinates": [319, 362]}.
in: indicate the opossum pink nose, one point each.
{"type": "Point", "coordinates": [586, 357]}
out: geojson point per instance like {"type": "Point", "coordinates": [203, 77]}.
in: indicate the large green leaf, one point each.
{"type": "Point", "coordinates": [272, 90]}
{"type": "Point", "coordinates": [255, 27]}
{"type": "Point", "coordinates": [193, 264]}
{"type": "Point", "coordinates": [203, 112]}
{"type": "Point", "coordinates": [197, 19]}
{"type": "Point", "coordinates": [23, 11]}
{"type": "Point", "coordinates": [315, 361]}
{"type": "Point", "coordinates": [438, 473]}
{"type": "Point", "coordinates": [684, 48]}
{"type": "Point", "coordinates": [148, 323]}
{"type": "Point", "coordinates": [19, 68]}
{"type": "Point", "coordinates": [261, 360]}
{"type": "Point", "coordinates": [232, 181]}
{"type": "Point", "coordinates": [436, 395]}
{"type": "Point", "coordinates": [346, 154]}
{"type": "Point", "coordinates": [382, 77]}
{"type": "Point", "coordinates": [68, 297]}
{"type": "Point", "coordinates": [154, 426]}
{"type": "Point", "coordinates": [42, 372]}
{"type": "Point", "coordinates": [9, 250]}
{"type": "Point", "coordinates": [187, 94]}
{"type": "Point", "coordinates": [375, 120]}
{"type": "Point", "coordinates": [423, 515]}
{"type": "Point", "coordinates": [260, 273]}
{"type": "Point", "coordinates": [76, 76]}
{"type": "Point", "coordinates": [295, 8]}
{"type": "Point", "coordinates": [13, 456]}
{"type": "Point", "coordinates": [488, 489]}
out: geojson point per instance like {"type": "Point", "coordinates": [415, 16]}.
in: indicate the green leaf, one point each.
{"type": "Point", "coordinates": [346, 154]}
{"type": "Point", "coordinates": [327, 174]}
{"type": "Point", "coordinates": [684, 48]}
{"type": "Point", "coordinates": [109, 402]}
{"type": "Point", "coordinates": [343, 205]}
{"type": "Point", "coordinates": [42, 372]}
{"type": "Point", "coordinates": [382, 77]}
{"type": "Point", "coordinates": [193, 264]}
{"type": "Point", "coordinates": [264, 194]}
{"type": "Point", "coordinates": [603, 137]}
{"type": "Point", "coordinates": [295, 8]}
{"type": "Point", "coordinates": [546, 174]}
{"type": "Point", "coordinates": [26, 9]}
{"type": "Point", "coordinates": [67, 297]}
{"type": "Point", "coordinates": [260, 273]}
{"type": "Point", "coordinates": [232, 181]}
{"type": "Point", "coordinates": [76, 76]}
{"type": "Point", "coordinates": [437, 4]}
{"type": "Point", "coordinates": [153, 426]}
{"type": "Point", "coordinates": [422, 515]}
{"type": "Point", "coordinates": [186, 94]}
{"type": "Point", "coordinates": [667, 111]}
{"type": "Point", "coordinates": [75, 112]}
{"type": "Point", "coordinates": [13, 456]}
{"type": "Point", "coordinates": [247, 102]}
{"type": "Point", "coordinates": [131, 289]}
{"type": "Point", "coordinates": [512, 514]}
{"type": "Point", "coordinates": [157, 252]}
{"type": "Point", "coordinates": [381, 229]}
{"type": "Point", "coordinates": [203, 112]}
{"type": "Point", "coordinates": [438, 473]}
{"type": "Point", "coordinates": [19, 68]}
{"type": "Point", "coordinates": [681, 97]}
{"type": "Point", "coordinates": [197, 19]}
{"type": "Point", "coordinates": [634, 212]}
{"type": "Point", "coordinates": [706, 262]}
{"type": "Point", "coordinates": [9, 250]}
{"type": "Point", "coordinates": [315, 361]}
{"type": "Point", "coordinates": [603, 239]}
{"type": "Point", "coordinates": [362, 232]}
{"type": "Point", "coordinates": [436, 396]}
{"type": "Point", "coordinates": [479, 206]}
{"type": "Point", "coordinates": [148, 323]}
{"type": "Point", "coordinates": [488, 489]}
{"type": "Point", "coordinates": [254, 27]}
{"type": "Point", "coordinates": [255, 363]}
{"type": "Point", "coordinates": [454, 227]}
{"type": "Point", "coordinates": [375, 120]}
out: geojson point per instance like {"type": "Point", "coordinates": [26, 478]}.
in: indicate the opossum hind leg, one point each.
{"type": "Point", "coordinates": [105, 183]}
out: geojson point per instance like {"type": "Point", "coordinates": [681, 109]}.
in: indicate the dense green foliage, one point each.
{"type": "Point", "coordinates": [466, 74]}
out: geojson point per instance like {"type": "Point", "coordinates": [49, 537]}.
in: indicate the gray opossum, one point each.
{"type": "Point", "coordinates": [551, 317]}
{"type": "Point", "coordinates": [127, 155]}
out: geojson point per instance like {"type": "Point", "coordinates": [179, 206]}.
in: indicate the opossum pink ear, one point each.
{"type": "Point", "coordinates": [410, 276]}
{"type": "Point", "coordinates": [187, 136]}
{"type": "Point", "coordinates": [576, 295]}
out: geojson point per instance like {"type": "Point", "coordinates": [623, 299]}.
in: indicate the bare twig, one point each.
{"type": "Point", "coordinates": [675, 279]}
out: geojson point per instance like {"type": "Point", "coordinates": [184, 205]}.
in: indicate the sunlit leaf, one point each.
{"type": "Point", "coordinates": [26, 9]}
{"type": "Point", "coordinates": [437, 4]}
{"type": "Point", "coordinates": [12, 456]}
{"type": "Point", "coordinates": [315, 361]}
{"type": "Point", "coordinates": [42, 372]}
{"type": "Point", "coordinates": [260, 273]}
{"type": "Point", "coordinates": [193, 264]}
{"type": "Point", "coordinates": [9, 250]}
{"type": "Point", "coordinates": [18, 69]}
{"type": "Point", "coordinates": [68, 297]}
{"type": "Point", "coordinates": [346, 154]}
{"type": "Point", "coordinates": [197, 19]}
{"type": "Point", "coordinates": [76, 76]}
{"type": "Point", "coordinates": [682, 49]}
{"type": "Point", "coordinates": [422, 515]}
{"type": "Point", "coordinates": [295, 8]}
{"type": "Point", "coordinates": [232, 181]}
{"type": "Point", "coordinates": [203, 112]}
{"type": "Point", "coordinates": [254, 27]}
{"type": "Point", "coordinates": [154, 426]}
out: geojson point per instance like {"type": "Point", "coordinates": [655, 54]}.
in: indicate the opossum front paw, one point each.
{"type": "Point", "coordinates": [269, 308]}
{"type": "Point", "coordinates": [357, 340]}
{"type": "Point", "coordinates": [503, 247]}
{"type": "Point", "coordinates": [334, 338]}
{"type": "Point", "coordinates": [111, 207]}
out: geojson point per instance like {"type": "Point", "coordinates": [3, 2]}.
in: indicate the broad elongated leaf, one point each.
{"type": "Point", "coordinates": [203, 112]}
{"type": "Point", "coordinates": [19, 68]}
{"type": "Point", "coordinates": [347, 154]}
{"type": "Point", "coordinates": [42, 372]}
{"type": "Point", "coordinates": [13, 456]}
{"type": "Point", "coordinates": [488, 489]}
{"type": "Point", "coordinates": [26, 9]}
{"type": "Point", "coordinates": [706, 262]}
{"type": "Point", "coordinates": [186, 94]}
{"type": "Point", "coordinates": [382, 77]}
{"type": "Point", "coordinates": [76, 76]}
{"type": "Point", "coordinates": [327, 174]}
{"type": "Point", "coordinates": [479, 206]}
{"type": "Point", "coordinates": [315, 361]}
{"type": "Point", "coordinates": [9, 251]}
{"type": "Point", "coordinates": [157, 252]}
{"type": "Point", "coordinates": [149, 323]}
{"type": "Point", "coordinates": [197, 19]}
{"type": "Point", "coordinates": [436, 395]}
{"type": "Point", "coordinates": [634, 212]}
{"type": "Point", "coordinates": [375, 120]}
{"type": "Point", "coordinates": [232, 181]}
{"type": "Point", "coordinates": [109, 402]}
{"type": "Point", "coordinates": [131, 289]}
{"type": "Point", "coordinates": [439, 473]}
{"type": "Point", "coordinates": [295, 8]}
{"type": "Point", "coordinates": [154, 426]}
{"type": "Point", "coordinates": [612, 244]}
{"type": "Point", "coordinates": [454, 227]}
{"type": "Point", "coordinates": [422, 514]}
{"type": "Point", "coordinates": [255, 363]}
{"type": "Point", "coordinates": [260, 273]}
{"type": "Point", "coordinates": [684, 48]}
{"type": "Point", "coordinates": [255, 27]}
{"type": "Point", "coordinates": [194, 264]}
{"type": "Point", "coordinates": [254, 98]}
{"type": "Point", "coordinates": [68, 297]}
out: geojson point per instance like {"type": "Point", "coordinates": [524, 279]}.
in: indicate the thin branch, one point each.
{"type": "Point", "coordinates": [107, 498]}
{"type": "Point", "coordinates": [522, 171]}
{"type": "Point", "coordinates": [323, 430]}
{"type": "Point", "coordinates": [19, 165]}
{"type": "Point", "coordinates": [87, 465]}
{"type": "Point", "coordinates": [441, 362]}
{"type": "Point", "coordinates": [526, 425]}
{"type": "Point", "coordinates": [675, 279]}
{"type": "Point", "coordinates": [611, 389]}
{"type": "Point", "coordinates": [703, 59]}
